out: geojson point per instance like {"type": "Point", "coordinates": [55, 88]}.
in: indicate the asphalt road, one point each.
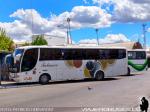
{"type": "Point", "coordinates": [119, 92]}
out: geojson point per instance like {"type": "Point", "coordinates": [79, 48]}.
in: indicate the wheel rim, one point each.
{"type": "Point", "coordinates": [99, 76]}
{"type": "Point", "coordinates": [44, 79]}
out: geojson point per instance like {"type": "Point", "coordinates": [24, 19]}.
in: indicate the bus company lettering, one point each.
{"type": "Point", "coordinates": [28, 78]}
{"type": "Point", "coordinates": [48, 65]}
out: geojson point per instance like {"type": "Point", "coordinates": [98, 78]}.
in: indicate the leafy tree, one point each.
{"type": "Point", "coordinates": [26, 44]}
{"type": "Point", "coordinates": [39, 40]}
{"type": "Point", "coordinates": [6, 43]}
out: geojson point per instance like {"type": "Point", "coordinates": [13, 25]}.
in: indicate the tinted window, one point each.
{"type": "Point", "coordinates": [103, 54]}
{"type": "Point", "coordinates": [50, 54]}
{"type": "Point", "coordinates": [141, 55]}
{"type": "Point", "coordinates": [29, 59]}
{"type": "Point", "coordinates": [136, 55]}
{"type": "Point", "coordinates": [112, 53]}
{"type": "Point", "coordinates": [122, 53]}
{"type": "Point", "coordinates": [81, 54]}
{"type": "Point", "coordinates": [73, 54]}
{"type": "Point", "coordinates": [92, 54]}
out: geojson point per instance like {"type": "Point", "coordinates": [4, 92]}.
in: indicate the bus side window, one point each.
{"type": "Point", "coordinates": [122, 53]}
{"type": "Point", "coordinates": [67, 54]}
{"type": "Point", "coordinates": [92, 54]}
{"type": "Point", "coordinates": [107, 54]}
{"type": "Point", "coordinates": [57, 54]}
{"type": "Point", "coordinates": [77, 54]}
{"type": "Point", "coordinates": [140, 55]}
{"type": "Point", "coordinates": [129, 55]}
{"type": "Point", "coordinates": [101, 54]}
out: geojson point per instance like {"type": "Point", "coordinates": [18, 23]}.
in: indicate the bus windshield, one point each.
{"type": "Point", "coordinates": [136, 55]}
{"type": "Point", "coordinates": [18, 51]}
{"type": "Point", "coordinates": [17, 60]}
{"type": "Point", "coordinates": [29, 59]}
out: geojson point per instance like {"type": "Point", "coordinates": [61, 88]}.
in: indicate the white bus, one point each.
{"type": "Point", "coordinates": [137, 61]}
{"type": "Point", "coordinates": [55, 63]}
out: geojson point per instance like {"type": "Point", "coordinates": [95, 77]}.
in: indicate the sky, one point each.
{"type": "Point", "coordinates": [116, 20]}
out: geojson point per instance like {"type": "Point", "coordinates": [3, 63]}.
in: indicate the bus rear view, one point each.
{"type": "Point", "coordinates": [137, 61]}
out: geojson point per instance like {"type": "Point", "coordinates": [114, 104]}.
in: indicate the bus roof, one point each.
{"type": "Point", "coordinates": [72, 47]}
{"type": "Point", "coordinates": [137, 50]}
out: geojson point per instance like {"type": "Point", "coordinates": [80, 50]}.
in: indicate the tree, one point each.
{"type": "Point", "coordinates": [6, 43]}
{"type": "Point", "coordinates": [26, 44]}
{"type": "Point", "coordinates": [39, 40]}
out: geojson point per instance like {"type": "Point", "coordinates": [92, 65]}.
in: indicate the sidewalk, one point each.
{"type": "Point", "coordinates": [12, 84]}
{"type": "Point", "coordinates": [5, 84]}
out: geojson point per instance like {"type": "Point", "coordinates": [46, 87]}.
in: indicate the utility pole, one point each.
{"type": "Point", "coordinates": [144, 34]}
{"type": "Point", "coordinates": [67, 36]}
{"type": "Point", "coordinates": [97, 35]}
{"type": "Point", "coordinates": [68, 31]}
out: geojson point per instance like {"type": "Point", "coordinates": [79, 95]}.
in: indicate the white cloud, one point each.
{"type": "Point", "coordinates": [86, 1]}
{"type": "Point", "coordinates": [110, 38]}
{"type": "Point", "coordinates": [85, 16]}
{"type": "Point", "coordinates": [90, 16]}
{"type": "Point", "coordinates": [33, 20]}
{"type": "Point", "coordinates": [17, 30]}
{"type": "Point", "coordinates": [30, 22]}
{"type": "Point", "coordinates": [141, 1]}
{"type": "Point", "coordinates": [128, 11]}
{"type": "Point", "coordinates": [101, 2]}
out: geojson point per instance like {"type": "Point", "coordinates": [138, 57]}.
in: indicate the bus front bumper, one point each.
{"type": "Point", "coordinates": [14, 77]}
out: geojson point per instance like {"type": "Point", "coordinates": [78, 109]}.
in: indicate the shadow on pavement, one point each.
{"type": "Point", "coordinates": [128, 75]}
{"type": "Point", "coordinates": [20, 85]}
{"type": "Point", "coordinates": [110, 79]}
{"type": "Point", "coordinates": [131, 75]}
{"type": "Point", "coordinates": [17, 85]}
{"type": "Point", "coordinates": [82, 81]}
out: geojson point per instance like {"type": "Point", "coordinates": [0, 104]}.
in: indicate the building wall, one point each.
{"type": "Point", "coordinates": [128, 45]}
{"type": "Point", "coordinates": [55, 40]}
{"type": "Point", "coordinates": [52, 40]}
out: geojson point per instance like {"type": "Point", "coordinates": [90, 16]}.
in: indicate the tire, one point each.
{"type": "Point", "coordinates": [44, 79]}
{"type": "Point", "coordinates": [99, 76]}
{"type": "Point", "coordinates": [129, 73]}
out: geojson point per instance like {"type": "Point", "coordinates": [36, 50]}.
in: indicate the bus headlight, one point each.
{"type": "Point", "coordinates": [16, 76]}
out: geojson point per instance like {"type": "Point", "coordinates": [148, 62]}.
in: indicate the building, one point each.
{"type": "Point", "coordinates": [52, 40]}
{"type": "Point", "coordinates": [128, 45]}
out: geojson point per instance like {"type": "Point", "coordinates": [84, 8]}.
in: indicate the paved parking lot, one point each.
{"type": "Point", "coordinates": [120, 92]}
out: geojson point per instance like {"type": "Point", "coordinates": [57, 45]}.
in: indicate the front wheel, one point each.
{"type": "Point", "coordinates": [99, 76]}
{"type": "Point", "coordinates": [44, 79]}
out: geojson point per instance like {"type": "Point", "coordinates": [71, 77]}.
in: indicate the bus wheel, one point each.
{"type": "Point", "coordinates": [99, 76]}
{"type": "Point", "coordinates": [128, 72]}
{"type": "Point", "coordinates": [44, 79]}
